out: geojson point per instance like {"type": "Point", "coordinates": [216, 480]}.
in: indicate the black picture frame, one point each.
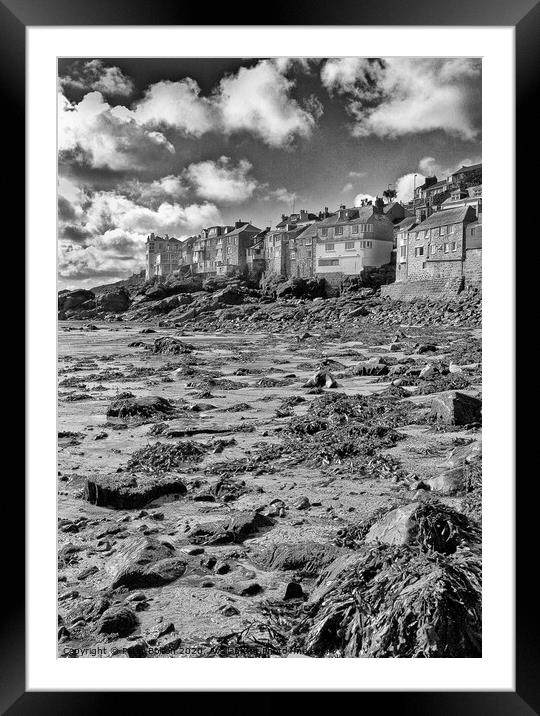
{"type": "Point", "coordinates": [524, 16]}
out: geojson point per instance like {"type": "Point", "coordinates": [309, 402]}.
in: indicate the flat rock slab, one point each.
{"type": "Point", "coordinates": [229, 531]}
{"type": "Point", "coordinates": [144, 407]}
{"type": "Point", "coordinates": [146, 562]}
{"type": "Point", "coordinates": [454, 408]}
{"type": "Point", "coordinates": [128, 491]}
{"type": "Point", "coordinates": [308, 557]}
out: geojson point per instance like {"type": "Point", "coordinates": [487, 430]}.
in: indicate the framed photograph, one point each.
{"type": "Point", "coordinates": [270, 359]}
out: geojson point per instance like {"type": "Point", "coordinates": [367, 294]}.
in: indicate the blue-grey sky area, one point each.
{"type": "Point", "coordinates": [173, 145]}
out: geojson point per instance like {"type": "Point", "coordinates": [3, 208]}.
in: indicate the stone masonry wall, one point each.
{"type": "Point", "coordinates": [430, 288]}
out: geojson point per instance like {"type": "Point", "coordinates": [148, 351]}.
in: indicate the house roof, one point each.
{"type": "Point", "coordinates": [471, 168]}
{"type": "Point", "coordinates": [310, 231]}
{"type": "Point", "coordinates": [443, 218]}
{"type": "Point", "coordinates": [407, 223]}
{"type": "Point", "coordinates": [245, 227]}
{"type": "Point", "coordinates": [362, 214]}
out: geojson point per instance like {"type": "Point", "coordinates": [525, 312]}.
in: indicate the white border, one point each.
{"type": "Point", "coordinates": [495, 670]}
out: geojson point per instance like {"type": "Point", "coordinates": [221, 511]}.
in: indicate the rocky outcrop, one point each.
{"type": "Point", "coordinates": [121, 491]}
{"type": "Point", "coordinates": [114, 301]}
{"type": "Point", "coordinates": [307, 557]}
{"type": "Point", "coordinates": [143, 407]}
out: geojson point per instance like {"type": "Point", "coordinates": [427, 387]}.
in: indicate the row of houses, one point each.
{"type": "Point", "coordinates": [429, 237]}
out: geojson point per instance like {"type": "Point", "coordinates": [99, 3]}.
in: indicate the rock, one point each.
{"type": "Point", "coordinates": [128, 491]}
{"type": "Point", "coordinates": [306, 557]}
{"type": "Point", "coordinates": [246, 589]}
{"type": "Point", "coordinates": [233, 530]}
{"type": "Point", "coordinates": [360, 311]}
{"type": "Point", "coordinates": [453, 368]}
{"type": "Point", "coordinates": [229, 611]}
{"type": "Point", "coordinates": [74, 299]}
{"type": "Point", "coordinates": [118, 620]}
{"type": "Point", "coordinates": [451, 482]}
{"type": "Point", "coordinates": [302, 504]}
{"type": "Point", "coordinates": [137, 650]}
{"type": "Point", "coordinates": [428, 371]}
{"type": "Point", "coordinates": [454, 408]}
{"type": "Point", "coordinates": [143, 407]}
{"type": "Point", "coordinates": [395, 527]}
{"type": "Point", "coordinates": [293, 591]}
{"type": "Point", "coordinates": [146, 562]}
{"type": "Point", "coordinates": [230, 296]}
{"type": "Point", "coordinates": [169, 345]}
{"type": "Point", "coordinates": [114, 301]}
{"type": "Point", "coordinates": [321, 379]}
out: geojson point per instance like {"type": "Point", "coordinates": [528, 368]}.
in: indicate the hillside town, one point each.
{"type": "Point", "coordinates": [437, 236]}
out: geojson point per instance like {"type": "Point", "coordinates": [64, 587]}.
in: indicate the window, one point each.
{"type": "Point", "coordinates": [293, 254]}
{"type": "Point", "coordinates": [434, 233]}
{"type": "Point", "coordinates": [354, 229]}
{"type": "Point", "coordinates": [329, 247]}
{"type": "Point", "coordinates": [309, 253]}
{"type": "Point", "coordinates": [403, 252]}
{"type": "Point", "coordinates": [338, 230]}
{"type": "Point", "coordinates": [454, 246]}
{"type": "Point", "coordinates": [420, 235]}
{"type": "Point", "coordinates": [324, 232]}
{"type": "Point", "coordinates": [365, 244]}
{"type": "Point", "coordinates": [443, 230]}
{"type": "Point", "coordinates": [328, 262]}
{"type": "Point", "coordinates": [446, 248]}
{"type": "Point", "coordinates": [419, 251]}
{"type": "Point", "coordinates": [349, 246]}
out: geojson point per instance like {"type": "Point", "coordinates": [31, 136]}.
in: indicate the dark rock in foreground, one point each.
{"type": "Point", "coordinates": [127, 491]}
{"type": "Point", "coordinates": [455, 408]}
{"type": "Point", "coordinates": [146, 562]}
{"type": "Point", "coordinates": [118, 620]}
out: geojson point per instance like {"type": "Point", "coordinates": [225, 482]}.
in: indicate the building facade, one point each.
{"type": "Point", "coordinates": [352, 240]}
{"type": "Point", "coordinates": [435, 247]}
{"type": "Point", "coordinates": [163, 255]}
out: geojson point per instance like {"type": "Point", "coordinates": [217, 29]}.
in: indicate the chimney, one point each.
{"type": "Point", "coordinates": [342, 206]}
{"type": "Point", "coordinates": [239, 223]}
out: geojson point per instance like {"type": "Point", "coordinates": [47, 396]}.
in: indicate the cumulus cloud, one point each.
{"type": "Point", "coordinates": [221, 181]}
{"type": "Point", "coordinates": [257, 100]}
{"type": "Point", "coordinates": [95, 75]}
{"type": "Point", "coordinates": [107, 240]}
{"type": "Point", "coordinates": [177, 105]}
{"type": "Point", "coordinates": [400, 95]}
{"type": "Point", "coordinates": [405, 186]}
{"type": "Point", "coordinates": [95, 134]}
{"type": "Point", "coordinates": [153, 193]}
{"type": "Point", "coordinates": [281, 194]}
{"type": "Point", "coordinates": [359, 198]}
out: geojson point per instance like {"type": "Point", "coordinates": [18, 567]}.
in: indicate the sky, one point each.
{"type": "Point", "coordinates": [175, 145]}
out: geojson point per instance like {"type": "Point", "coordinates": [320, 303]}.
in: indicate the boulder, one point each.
{"type": "Point", "coordinates": [127, 491]}
{"type": "Point", "coordinates": [229, 531]}
{"type": "Point", "coordinates": [397, 527]}
{"type": "Point", "coordinates": [230, 296]}
{"type": "Point", "coordinates": [146, 562]}
{"type": "Point", "coordinates": [454, 408]}
{"type": "Point", "coordinates": [169, 345]}
{"type": "Point", "coordinates": [142, 407]}
{"type": "Point", "coordinates": [75, 299]}
{"type": "Point", "coordinates": [321, 379]}
{"type": "Point", "coordinates": [114, 301]}
{"type": "Point", "coordinates": [452, 482]}
{"type": "Point", "coordinates": [117, 620]}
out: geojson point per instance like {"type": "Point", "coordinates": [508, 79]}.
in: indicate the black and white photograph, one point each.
{"type": "Point", "coordinates": [269, 357]}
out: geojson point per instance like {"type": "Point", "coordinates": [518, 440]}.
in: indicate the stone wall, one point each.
{"type": "Point", "coordinates": [472, 267]}
{"type": "Point", "coordinates": [430, 288]}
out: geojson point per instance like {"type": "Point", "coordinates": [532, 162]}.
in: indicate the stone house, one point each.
{"type": "Point", "coordinates": [351, 241]}
{"type": "Point", "coordinates": [205, 249]}
{"type": "Point", "coordinates": [436, 246]}
{"type": "Point", "coordinates": [277, 246]}
{"type": "Point", "coordinates": [231, 249]}
{"type": "Point", "coordinates": [395, 211]}
{"type": "Point", "coordinates": [401, 242]}
{"type": "Point", "coordinates": [162, 255]}
{"type": "Point", "coordinates": [302, 252]}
